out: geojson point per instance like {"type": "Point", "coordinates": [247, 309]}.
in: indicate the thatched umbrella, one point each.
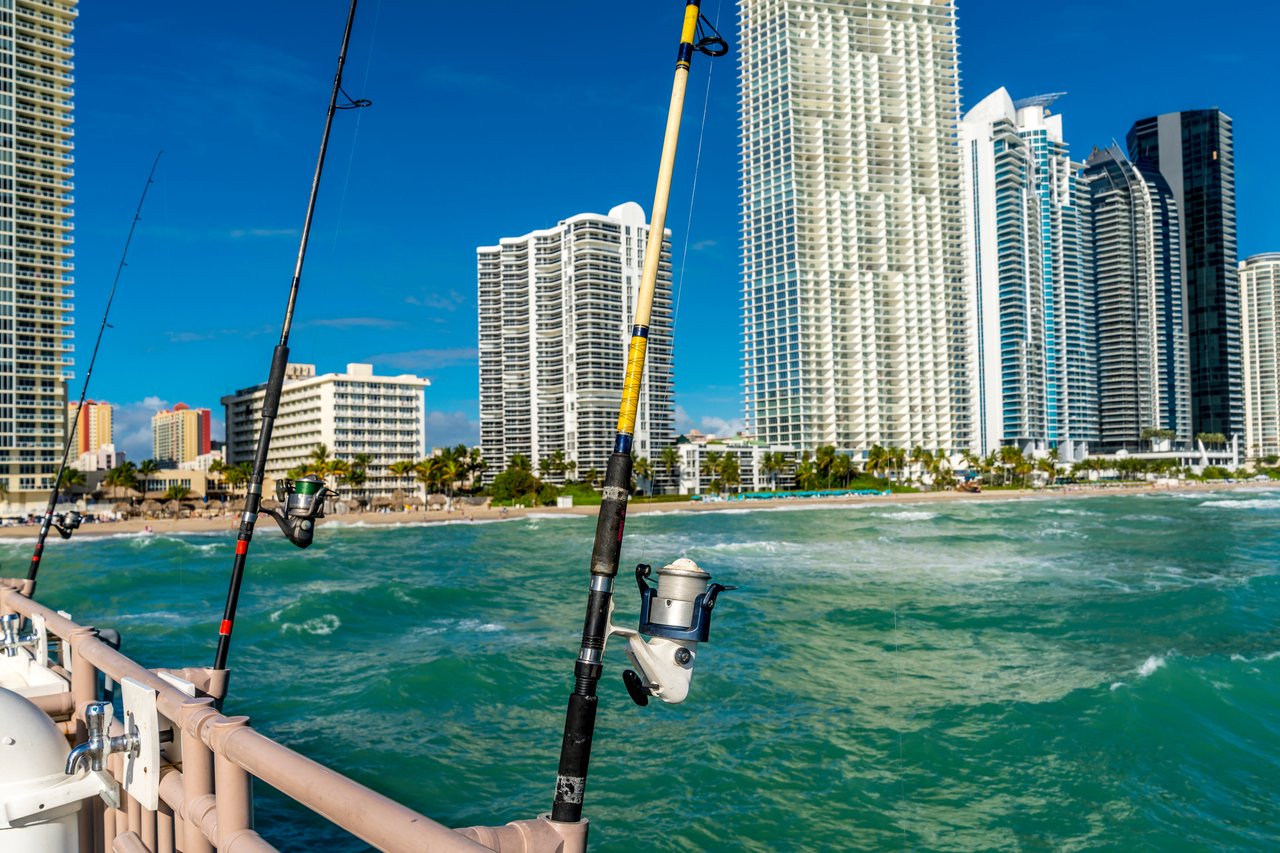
{"type": "Point", "coordinates": [434, 500]}
{"type": "Point", "coordinates": [121, 507]}
{"type": "Point", "coordinates": [150, 507]}
{"type": "Point", "coordinates": [398, 496]}
{"type": "Point", "coordinates": [382, 500]}
{"type": "Point", "coordinates": [171, 508]}
{"type": "Point", "coordinates": [214, 507]}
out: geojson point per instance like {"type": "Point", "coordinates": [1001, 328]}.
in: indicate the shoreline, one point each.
{"type": "Point", "coordinates": [229, 522]}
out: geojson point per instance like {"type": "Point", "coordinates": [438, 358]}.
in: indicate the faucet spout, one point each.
{"type": "Point", "coordinates": [78, 755]}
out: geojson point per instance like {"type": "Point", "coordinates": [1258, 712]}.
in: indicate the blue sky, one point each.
{"type": "Point", "coordinates": [491, 120]}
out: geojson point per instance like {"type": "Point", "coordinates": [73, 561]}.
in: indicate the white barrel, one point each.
{"type": "Point", "coordinates": [33, 755]}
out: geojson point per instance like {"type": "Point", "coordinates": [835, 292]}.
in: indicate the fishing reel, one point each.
{"type": "Point", "coordinates": [67, 523]}
{"type": "Point", "coordinates": [676, 616]}
{"type": "Point", "coordinates": [301, 503]}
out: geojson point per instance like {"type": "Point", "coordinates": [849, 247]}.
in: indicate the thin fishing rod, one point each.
{"type": "Point", "coordinates": [47, 521]}
{"type": "Point", "coordinates": [580, 717]}
{"type": "Point", "coordinates": [279, 359]}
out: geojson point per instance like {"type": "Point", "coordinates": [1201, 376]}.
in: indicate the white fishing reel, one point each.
{"type": "Point", "coordinates": [676, 616]}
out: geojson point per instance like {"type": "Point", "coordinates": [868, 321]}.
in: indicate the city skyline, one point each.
{"type": "Point", "coordinates": [230, 110]}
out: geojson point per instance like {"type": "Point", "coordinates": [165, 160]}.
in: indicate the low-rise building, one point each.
{"type": "Point", "coordinates": [755, 472]}
{"type": "Point", "coordinates": [349, 413]}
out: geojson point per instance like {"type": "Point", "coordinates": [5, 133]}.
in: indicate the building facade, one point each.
{"type": "Point", "coordinates": [35, 241]}
{"type": "Point", "coordinates": [1144, 380]}
{"type": "Point", "coordinates": [1028, 281]}
{"type": "Point", "coordinates": [1195, 153]}
{"type": "Point", "coordinates": [180, 434]}
{"type": "Point", "coordinates": [92, 429]}
{"type": "Point", "coordinates": [1260, 353]}
{"type": "Point", "coordinates": [853, 293]}
{"type": "Point", "coordinates": [556, 309]}
{"type": "Point", "coordinates": [349, 413]}
{"type": "Point", "coordinates": [697, 467]}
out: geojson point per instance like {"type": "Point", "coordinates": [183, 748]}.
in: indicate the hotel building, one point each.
{"type": "Point", "coordinates": [92, 430]}
{"type": "Point", "coordinates": [36, 159]}
{"type": "Point", "coordinates": [1260, 336]}
{"type": "Point", "coordinates": [180, 434]}
{"type": "Point", "coordinates": [1028, 279]}
{"type": "Point", "coordinates": [853, 282]}
{"type": "Point", "coordinates": [1143, 374]}
{"type": "Point", "coordinates": [556, 308]}
{"type": "Point", "coordinates": [349, 413]}
{"type": "Point", "coordinates": [1195, 153]}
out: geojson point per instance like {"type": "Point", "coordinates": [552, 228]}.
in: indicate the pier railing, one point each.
{"type": "Point", "coordinates": [205, 801]}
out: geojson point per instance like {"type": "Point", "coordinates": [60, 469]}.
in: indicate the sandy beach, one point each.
{"type": "Point", "coordinates": [228, 522]}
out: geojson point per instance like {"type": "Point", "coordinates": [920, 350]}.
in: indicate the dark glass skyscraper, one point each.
{"type": "Point", "coordinates": [1195, 153]}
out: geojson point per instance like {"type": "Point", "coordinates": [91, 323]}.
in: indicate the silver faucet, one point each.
{"type": "Point", "coordinates": [9, 636]}
{"type": "Point", "coordinates": [94, 751]}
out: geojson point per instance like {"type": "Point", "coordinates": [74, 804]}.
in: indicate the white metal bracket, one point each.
{"type": "Point", "coordinates": [51, 801]}
{"type": "Point", "coordinates": [142, 771]}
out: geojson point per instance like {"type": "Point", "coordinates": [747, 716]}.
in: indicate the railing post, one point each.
{"type": "Point", "coordinates": [84, 689]}
{"type": "Point", "coordinates": [232, 784]}
{"type": "Point", "coordinates": [197, 774]}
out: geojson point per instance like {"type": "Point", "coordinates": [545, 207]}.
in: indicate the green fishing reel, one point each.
{"type": "Point", "coordinates": [301, 503]}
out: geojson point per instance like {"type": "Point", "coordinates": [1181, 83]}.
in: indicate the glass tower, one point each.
{"type": "Point", "coordinates": [1028, 280]}
{"type": "Point", "coordinates": [1195, 153]}
{"type": "Point", "coordinates": [1143, 373]}
{"type": "Point", "coordinates": [853, 294]}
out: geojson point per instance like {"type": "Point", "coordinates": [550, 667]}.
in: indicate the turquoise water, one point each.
{"type": "Point", "coordinates": [1034, 675]}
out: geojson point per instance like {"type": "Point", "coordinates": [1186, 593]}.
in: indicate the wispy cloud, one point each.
{"type": "Point", "coordinates": [451, 301]}
{"type": "Point", "coordinates": [241, 233]}
{"type": "Point", "coordinates": [426, 359]}
{"type": "Point", "coordinates": [355, 323]}
{"type": "Point", "coordinates": [131, 426]}
{"type": "Point", "coordinates": [191, 337]}
{"type": "Point", "coordinates": [703, 245]}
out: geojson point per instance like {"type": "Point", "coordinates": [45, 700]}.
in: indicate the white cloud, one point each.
{"type": "Point", "coordinates": [446, 429]}
{"type": "Point", "coordinates": [131, 426]}
{"type": "Point", "coordinates": [709, 424]}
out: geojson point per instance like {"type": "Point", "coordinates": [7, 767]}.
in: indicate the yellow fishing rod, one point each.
{"type": "Point", "coordinates": [696, 35]}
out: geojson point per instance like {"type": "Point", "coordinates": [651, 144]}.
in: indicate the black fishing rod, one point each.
{"type": "Point", "coordinates": [301, 502]}
{"type": "Point", "coordinates": [72, 520]}
{"type": "Point", "coordinates": [580, 717]}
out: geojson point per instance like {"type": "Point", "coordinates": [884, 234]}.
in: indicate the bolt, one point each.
{"type": "Point", "coordinates": [683, 656]}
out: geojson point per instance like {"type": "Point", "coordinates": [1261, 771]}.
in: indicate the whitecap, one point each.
{"type": "Point", "coordinates": [1150, 665]}
{"type": "Point", "coordinates": [1256, 503]}
{"type": "Point", "coordinates": [908, 515]}
{"type": "Point", "coordinates": [319, 626]}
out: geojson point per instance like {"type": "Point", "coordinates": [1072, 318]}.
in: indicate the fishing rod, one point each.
{"type": "Point", "coordinates": [71, 521]}
{"type": "Point", "coordinates": [680, 615]}
{"type": "Point", "coordinates": [301, 501]}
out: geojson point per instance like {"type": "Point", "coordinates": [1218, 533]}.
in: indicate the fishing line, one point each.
{"type": "Point", "coordinates": [693, 193]}
{"type": "Point", "coordinates": [355, 136]}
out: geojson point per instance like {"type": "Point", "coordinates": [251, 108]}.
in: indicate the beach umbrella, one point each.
{"type": "Point", "coordinates": [432, 500]}
{"type": "Point", "coordinates": [398, 495]}
{"type": "Point", "coordinates": [150, 507]}
{"type": "Point", "coordinates": [383, 500]}
{"type": "Point", "coordinates": [121, 507]}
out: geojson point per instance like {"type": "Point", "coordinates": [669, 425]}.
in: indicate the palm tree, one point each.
{"type": "Point", "coordinates": [728, 471]}
{"type": "Point", "coordinates": [644, 471]}
{"type": "Point", "coordinates": [176, 493]}
{"type": "Point", "coordinates": [1049, 467]}
{"type": "Point", "coordinates": [806, 474]}
{"type": "Point", "coordinates": [404, 469]}
{"type": "Point", "coordinates": [70, 477]}
{"type": "Point", "coordinates": [824, 457]}
{"type": "Point", "coordinates": [520, 462]}
{"type": "Point", "coordinates": [711, 468]}
{"type": "Point", "coordinates": [842, 469]}
{"type": "Point", "coordinates": [145, 470]}
{"type": "Point", "coordinates": [771, 465]}
{"type": "Point", "coordinates": [877, 460]}
{"type": "Point", "coordinates": [670, 458]}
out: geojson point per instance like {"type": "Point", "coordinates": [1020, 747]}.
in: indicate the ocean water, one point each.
{"type": "Point", "coordinates": [1022, 675]}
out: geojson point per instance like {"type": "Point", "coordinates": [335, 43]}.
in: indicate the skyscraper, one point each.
{"type": "Point", "coordinates": [35, 240]}
{"type": "Point", "coordinates": [556, 308]}
{"type": "Point", "coordinates": [1028, 280]}
{"type": "Point", "coordinates": [92, 430]}
{"type": "Point", "coordinates": [180, 434]}
{"type": "Point", "coordinates": [1195, 152]}
{"type": "Point", "coordinates": [1143, 377]}
{"type": "Point", "coordinates": [1260, 338]}
{"type": "Point", "coordinates": [853, 293]}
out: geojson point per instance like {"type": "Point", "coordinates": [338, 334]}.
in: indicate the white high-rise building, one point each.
{"type": "Point", "coordinates": [853, 291]}
{"type": "Point", "coordinates": [556, 308]}
{"type": "Point", "coordinates": [1260, 334]}
{"type": "Point", "coordinates": [35, 241]}
{"type": "Point", "coordinates": [1028, 277]}
{"type": "Point", "coordinates": [349, 413]}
